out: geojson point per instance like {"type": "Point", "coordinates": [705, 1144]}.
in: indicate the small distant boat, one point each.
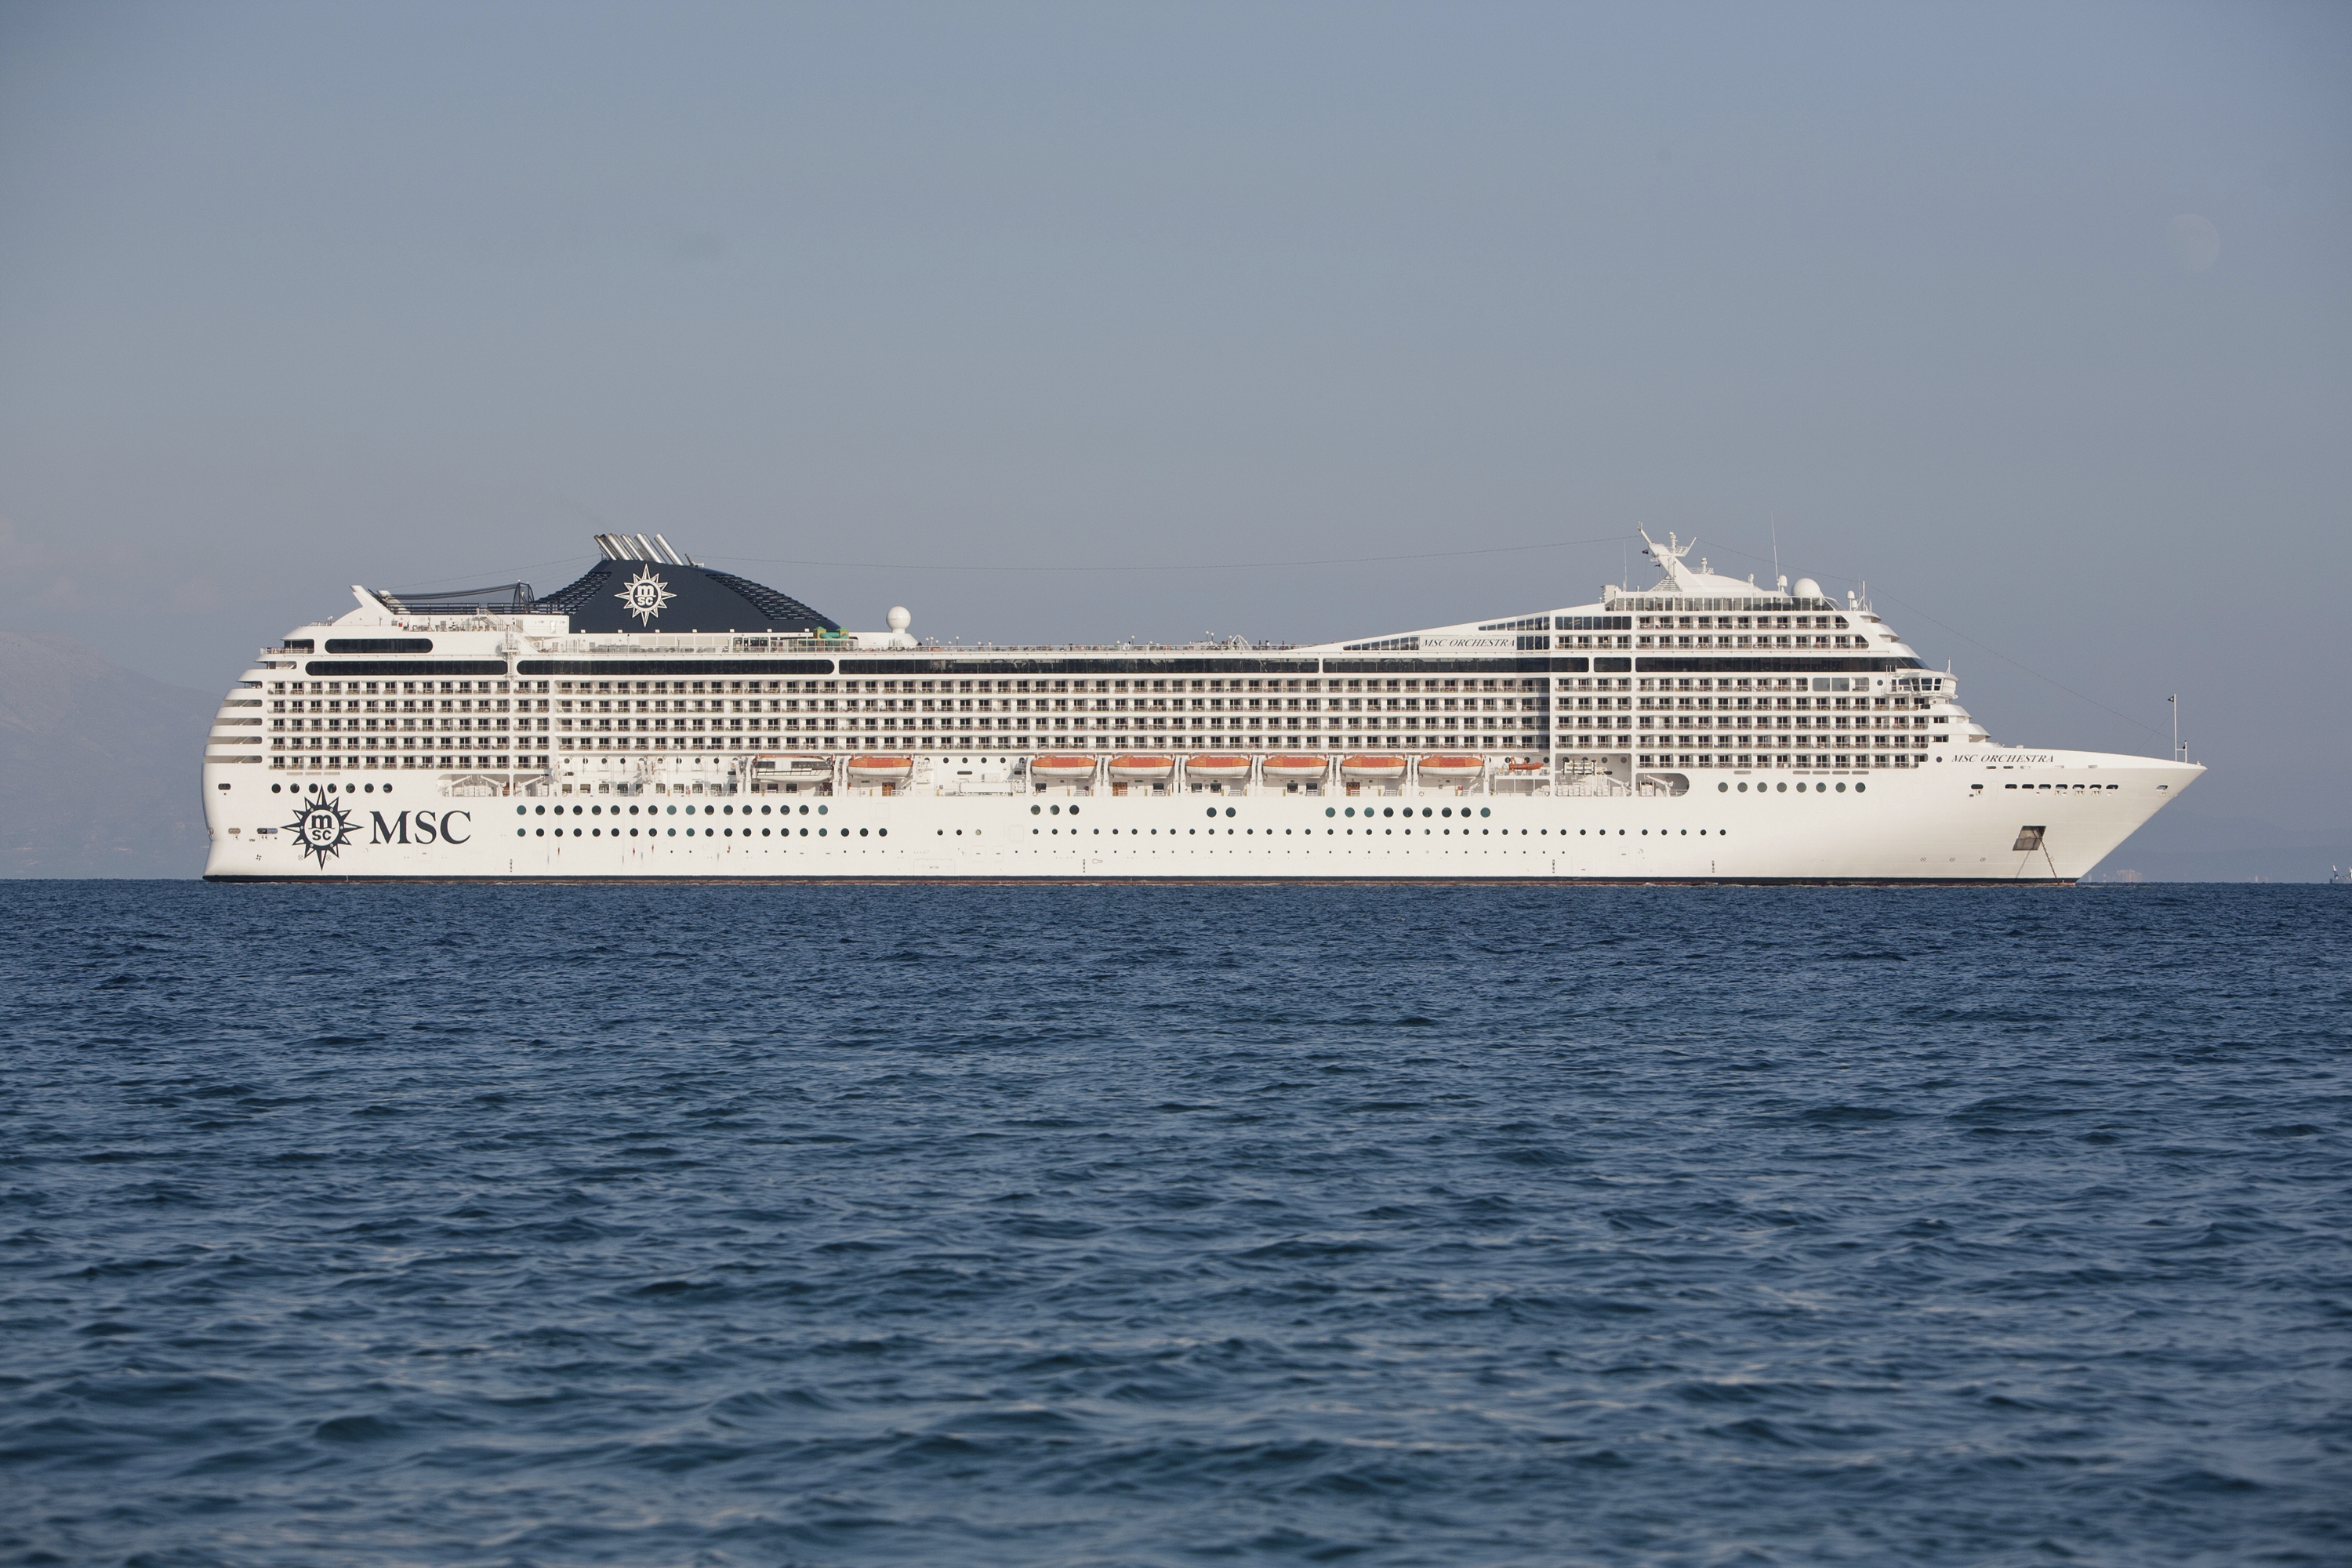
{"type": "Point", "coordinates": [2337, 878]}
{"type": "Point", "coordinates": [1132, 767]}
{"type": "Point", "coordinates": [1372, 765]}
{"type": "Point", "coordinates": [881, 770]}
{"type": "Point", "coordinates": [1218, 767]}
{"type": "Point", "coordinates": [1063, 768]}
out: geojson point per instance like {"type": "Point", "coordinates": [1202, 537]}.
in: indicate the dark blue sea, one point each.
{"type": "Point", "coordinates": [1183, 1225]}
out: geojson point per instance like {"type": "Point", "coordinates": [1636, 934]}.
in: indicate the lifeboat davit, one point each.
{"type": "Point", "coordinates": [1062, 767]}
{"type": "Point", "coordinates": [1218, 767]}
{"type": "Point", "coordinates": [1294, 767]}
{"type": "Point", "coordinates": [1136, 767]}
{"type": "Point", "coordinates": [881, 769]}
{"type": "Point", "coordinates": [1452, 767]}
{"type": "Point", "coordinates": [1372, 765]}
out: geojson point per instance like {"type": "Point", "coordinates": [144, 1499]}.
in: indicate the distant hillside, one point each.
{"type": "Point", "coordinates": [2184, 845]}
{"type": "Point", "coordinates": [98, 765]}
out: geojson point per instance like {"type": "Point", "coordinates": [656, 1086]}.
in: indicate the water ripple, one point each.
{"type": "Point", "coordinates": [721, 1225]}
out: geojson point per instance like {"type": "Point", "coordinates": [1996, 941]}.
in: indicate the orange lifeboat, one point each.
{"type": "Point", "coordinates": [1289, 769]}
{"type": "Point", "coordinates": [881, 770]}
{"type": "Point", "coordinates": [1062, 767]}
{"type": "Point", "coordinates": [1141, 768]}
{"type": "Point", "coordinates": [1527, 767]}
{"type": "Point", "coordinates": [1218, 767]}
{"type": "Point", "coordinates": [1452, 767]}
{"type": "Point", "coordinates": [1372, 765]}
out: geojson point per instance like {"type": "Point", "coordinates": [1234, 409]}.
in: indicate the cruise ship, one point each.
{"type": "Point", "coordinates": [659, 719]}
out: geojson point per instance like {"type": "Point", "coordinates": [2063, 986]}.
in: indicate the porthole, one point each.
{"type": "Point", "coordinates": [632, 811]}
{"type": "Point", "coordinates": [1074, 811]}
{"type": "Point", "coordinates": [1332, 811]}
{"type": "Point", "coordinates": [1351, 811]}
{"type": "Point", "coordinates": [522, 810]}
{"type": "Point", "coordinates": [690, 811]}
{"type": "Point", "coordinates": [1782, 788]}
{"type": "Point", "coordinates": [1841, 789]}
{"type": "Point", "coordinates": [672, 811]}
{"type": "Point", "coordinates": [882, 832]}
{"type": "Point", "coordinates": [673, 833]}
{"type": "Point", "coordinates": [1725, 789]}
{"type": "Point", "coordinates": [804, 810]}
{"type": "Point", "coordinates": [1388, 810]}
{"type": "Point", "coordinates": [861, 833]}
{"type": "Point", "coordinates": [820, 810]}
{"type": "Point", "coordinates": [633, 833]}
{"type": "Point", "coordinates": [764, 832]}
{"type": "Point", "coordinates": [1859, 788]}
{"type": "Point", "coordinates": [1483, 811]}
{"type": "Point", "coordinates": [1229, 811]}
{"type": "Point", "coordinates": [765, 809]}
{"type": "Point", "coordinates": [275, 788]}
{"type": "Point", "coordinates": [727, 809]}
{"type": "Point", "coordinates": [1213, 811]}
{"type": "Point", "coordinates": [1033, 810]}
{"type": "Point", "coordinates": [1056, 811]}
{"type": "Point", "coordinates": [522, 832]}
{"type": "Point", "coordinates": [542, 833]}
{"type": "Point", "coordinates": [1743, 789]}
{"type": "Point", "coordinates": [1427, 812]}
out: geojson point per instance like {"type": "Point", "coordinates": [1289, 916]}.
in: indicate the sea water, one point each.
{"type": "Point", "coordinates": [1174, 1225]}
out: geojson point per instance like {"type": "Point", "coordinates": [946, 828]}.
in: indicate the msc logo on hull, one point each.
{"type": "Point", "coordinates": [323, 827]}
{"type": "Point", "coordinates": [427, 828]}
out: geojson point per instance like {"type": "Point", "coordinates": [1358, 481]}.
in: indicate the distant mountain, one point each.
{"type": "Point", "coordinates": [2184, 845]}
{"type": "Point", "coordinates": [99, 765]}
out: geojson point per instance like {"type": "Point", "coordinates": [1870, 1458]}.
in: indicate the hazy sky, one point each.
{"type": "Point", "coordinates": [2040, 319]}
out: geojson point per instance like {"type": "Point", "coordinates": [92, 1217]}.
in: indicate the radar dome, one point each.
{"type": "Point", "coordinates": [1807, 588]}
{"type": "Point", "coordinates": [898, 618]}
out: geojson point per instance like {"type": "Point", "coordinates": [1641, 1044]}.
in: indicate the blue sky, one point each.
{"type": "Point", "coordinates": [2035, 317]}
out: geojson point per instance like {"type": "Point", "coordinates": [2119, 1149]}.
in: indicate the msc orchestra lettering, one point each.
{"type": "Point", "coordinates": [656, 718]}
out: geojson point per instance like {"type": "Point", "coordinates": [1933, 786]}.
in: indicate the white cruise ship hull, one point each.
{"type": "Point", "coordinates": [1947, 823]}
{"type": "Point", "coordinates": [660, 720]}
